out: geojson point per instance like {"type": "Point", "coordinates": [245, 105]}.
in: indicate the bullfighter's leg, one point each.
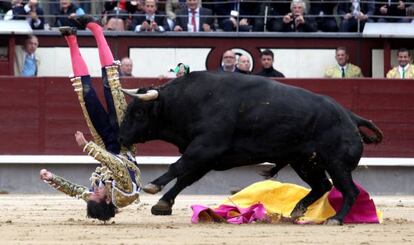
{"type": "Point", "coordinates": [316, 178]}
{"type": "Point", "coordinates": [164, 205]}
{"type": "Point", "coordinates": [342, 180]}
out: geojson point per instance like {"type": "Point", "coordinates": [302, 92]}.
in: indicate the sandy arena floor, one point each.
{"type": "Point", "coordinates": [57, 219]}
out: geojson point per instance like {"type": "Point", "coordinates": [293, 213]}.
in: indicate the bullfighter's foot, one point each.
{"type": "Point", "coordinates": [83, 20]}
{"type": "Point", "coordinates": [332, 221]}
{"type": "Point", "coordinates": [162, 208]}
{"type": "Point", "coordinates": [67, 30]}
{"type": "Point", "coordinates": [152, 189]}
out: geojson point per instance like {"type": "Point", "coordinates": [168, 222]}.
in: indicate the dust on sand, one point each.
{"type": "Point", "coordinates": [58, 219]}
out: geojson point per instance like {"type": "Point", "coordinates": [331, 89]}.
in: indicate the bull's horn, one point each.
{"type": "Point", "coordinates": [150, 95]}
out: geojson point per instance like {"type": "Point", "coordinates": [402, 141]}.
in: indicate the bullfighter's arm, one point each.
{"type": "Point", "coordinates": [65, 186]}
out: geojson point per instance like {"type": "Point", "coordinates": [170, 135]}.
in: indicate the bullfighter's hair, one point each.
{"type": "Point", "coordinates": [100, 210]}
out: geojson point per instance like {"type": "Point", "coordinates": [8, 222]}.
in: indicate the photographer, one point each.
{"type": "Point", "coordinates": [296, 20]}
{"type": "Point", "coordinates": [150, 19]}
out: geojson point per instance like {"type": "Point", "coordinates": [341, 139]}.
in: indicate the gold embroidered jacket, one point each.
{"type": "Point", "coordinates": [395, 72]}
{"type": "Point", "coordinates": [350, 71]}
{"type": "Point", "coordinates": [122, 186]}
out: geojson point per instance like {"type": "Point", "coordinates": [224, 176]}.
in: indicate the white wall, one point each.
{"type": "Point", "coordinates": [153, 62]}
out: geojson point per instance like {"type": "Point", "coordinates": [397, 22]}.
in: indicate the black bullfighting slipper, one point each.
{"type": "Point", "coordinates": [83, 20]}
{"type": "Point", "coordinates": [67, 30]}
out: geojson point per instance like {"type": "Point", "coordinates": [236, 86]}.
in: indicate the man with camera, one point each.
{"type": "Point", "coordinates": [150, 19]}
{"type": "Point", "coordinates": [295, 21]}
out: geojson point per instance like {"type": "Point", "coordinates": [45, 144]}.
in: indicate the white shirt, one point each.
{"type": "Point", "coordinates": [197, 20]}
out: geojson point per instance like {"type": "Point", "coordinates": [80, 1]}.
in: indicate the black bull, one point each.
{"type": "Point", "coordinates": [225, 120]}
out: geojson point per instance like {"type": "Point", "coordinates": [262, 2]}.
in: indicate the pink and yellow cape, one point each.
{"type": "Point", "coordinates": [265, 199]}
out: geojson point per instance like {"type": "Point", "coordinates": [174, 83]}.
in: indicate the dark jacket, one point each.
{"type": "Point", "coordinates": [205, 17]}
{"type": "Point", "coordinates": [310, 25]}
{"type": "Point", "coordinates": [62, 17]}
{"type": "Point", "coordinates": [141, 17]}
{"type": "Point", "coordinates": [270, 72]}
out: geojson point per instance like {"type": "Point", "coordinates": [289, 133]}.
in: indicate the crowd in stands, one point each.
{"type": "Point", "coordinates": [217, 15]}
{"type": "Point", "coordinates": [27, 63]}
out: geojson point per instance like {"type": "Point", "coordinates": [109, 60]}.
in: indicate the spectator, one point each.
{"type": "Point", "coordinates": [27, 62]}
{"type": "Point", "coordinates": [171, 7]}
{"type": "Point", "coordinates": [243, 64]}
{"type": "Point", "coordinates": [267, 59]}
{"type": "Point", "coordinates": [194, 18]}
{"type": "Point", "coordinates": [16, 12]}
{"type": "Point", "coordinates": [354, 14]}
{"type": "Point", "coordinates": [181, 70]}
{"type": "Point", "coordinates": [295, 21]}
{"type": "Point", "coordinates": [150, 19]}
{"type": "Point", "coordinates": [404, 69]}
{"type": "Point", "coordinates": [67, 13]}
{"type": "Point", "coordinates": [228, 61]}
{"type": "Point", "coordinates": [324, 9]}
{"type": "Point", "coordinates": [237, 15]}
{"type": "Point", "coordinates": [272, 12]}
{"type": "Point", "coordinates": [343, 69]}
{"type": "Point", "coordinates": [393, 8]}
{"type": "Point", "coordinates": [125, 70]}
{"type": "Point", "coordinates": [117, 14]}
{"type": "Point", "coordinates": [35, 15]}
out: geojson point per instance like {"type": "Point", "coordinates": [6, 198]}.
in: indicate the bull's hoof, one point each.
{"type": "Point", "coordinates": [333, 222]}
{"type": "Point", "coordinates": [151, 188]}
{"type": "Point", "coordinates": [297, 213]}
{"type": "Point", "coordinates": [161, 208]}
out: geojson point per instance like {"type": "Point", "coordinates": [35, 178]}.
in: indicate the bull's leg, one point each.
{"type": "Point", "coordinates": [200, 153]}
{"type": "Point", "coordinates": [156, 185]}
{"type": "Point", "coordinates": [164, 205]}
{"type": "Point", "coordinates": [342, 180]}
{"type": "Point", "coordinates": [316, 178]}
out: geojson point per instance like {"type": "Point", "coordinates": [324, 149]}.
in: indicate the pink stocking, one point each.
{"type": "Point", "coordinates": [78, 64]}
{"type": "Point", "coordinates": [105, 54]}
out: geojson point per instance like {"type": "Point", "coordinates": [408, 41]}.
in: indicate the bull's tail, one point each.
{"type": "Point", "coordinates": [362, 122]}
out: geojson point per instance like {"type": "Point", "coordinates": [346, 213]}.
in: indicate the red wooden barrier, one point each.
{"type": "Point", "coordinates": [40, 115]}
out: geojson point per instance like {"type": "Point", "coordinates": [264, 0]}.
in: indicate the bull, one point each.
{"type": "Point", "coordinates": [221, 120]}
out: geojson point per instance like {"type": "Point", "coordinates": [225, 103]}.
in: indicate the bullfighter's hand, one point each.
{"type": "Point", "coordinates": [80, 138]}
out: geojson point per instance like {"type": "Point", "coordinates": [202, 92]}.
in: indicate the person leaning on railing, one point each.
{"type": "Point", "coordinates": [325, 11]}
{"type": "Point", "coordinates": [354, 14]}
{"type": "Point", "coordinates": [67, 14]}
{"type": "Point", "coordinates": [296, 21]}
{"type": "Point", "coordinates": [392, 11]}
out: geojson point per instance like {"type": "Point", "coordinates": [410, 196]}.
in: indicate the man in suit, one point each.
{"type": "Point", "coordinates": [392, 8]}
{"type": "Point", "coordinates": [343, 69]}
{"type": "Point", "coordinates": [150, 19]}
{"type": "Point", "coordinates": [27, 62]}
{"type": "Point", "coordinates": [194, 18]}
{"type": "Point", "coordinates": [354, 14]}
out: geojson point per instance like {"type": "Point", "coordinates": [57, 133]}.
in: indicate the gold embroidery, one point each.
{"type": "Point", "coordinates": [119, 99]}
{"type": "Point", "coordinates": [77, 84]}
{"type": "Point", "coordinates": [69, 188]}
